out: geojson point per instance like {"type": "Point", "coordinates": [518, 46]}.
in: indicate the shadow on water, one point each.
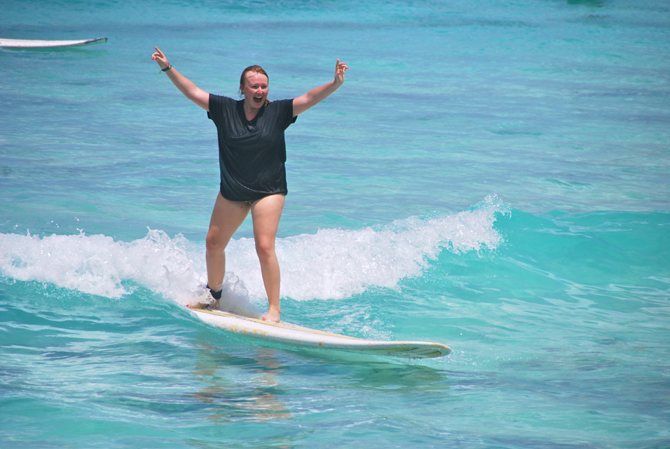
{"type": "Point", "coordinates": [244, 380]}
{"type": "Point", "coordinates": [240, 387]}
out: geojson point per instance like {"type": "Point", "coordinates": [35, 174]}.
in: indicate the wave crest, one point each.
{"type": "Point", "coordinates": [331, 264]}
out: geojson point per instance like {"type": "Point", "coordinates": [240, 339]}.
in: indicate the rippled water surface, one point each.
{"type": "Point", "coordinates": [492, 176]}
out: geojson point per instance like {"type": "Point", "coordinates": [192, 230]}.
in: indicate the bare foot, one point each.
{"type": "Point", "coordinates": [272, 316]}
{"type": "Point", "coordinates": [206, 305]}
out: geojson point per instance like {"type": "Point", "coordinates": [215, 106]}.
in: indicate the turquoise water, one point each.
{"type": "Point", "coordinates": [493, 176]}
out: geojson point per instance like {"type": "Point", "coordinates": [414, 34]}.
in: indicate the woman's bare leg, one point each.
{"type": "Point", "coordinates": [227, 217]}
{"type": "Point", "coordinates": [266, 214]}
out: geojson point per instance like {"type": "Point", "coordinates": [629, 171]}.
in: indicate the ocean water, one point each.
{"type": "Point", "coordinates": [493, 175]}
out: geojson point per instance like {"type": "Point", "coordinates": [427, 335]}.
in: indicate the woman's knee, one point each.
{"type": "Point", "coordinates": [265, 248]}
{"type": "Point", "coordinates": [213, 240]}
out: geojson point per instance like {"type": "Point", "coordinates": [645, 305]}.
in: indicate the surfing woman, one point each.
{"type": "Point", "coordinates": [252, 152]}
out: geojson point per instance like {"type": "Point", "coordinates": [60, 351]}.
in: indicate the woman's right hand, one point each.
{"type": "Point", "coordinates": [192, 92]}
{"type": "Point", "coordinates": [160, 58]}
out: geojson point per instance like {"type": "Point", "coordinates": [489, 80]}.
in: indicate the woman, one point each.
{"type": "Point", "coordinates": [252, 153]}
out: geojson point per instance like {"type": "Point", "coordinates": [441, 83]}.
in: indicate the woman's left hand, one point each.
{"type": "Point", "coordinates": [318, 94]}
{"type": "Point", "coordinates": [340, 69]}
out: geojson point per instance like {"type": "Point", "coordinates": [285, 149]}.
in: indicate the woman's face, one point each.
{"type": "Point", "coordinates": [255, 89]}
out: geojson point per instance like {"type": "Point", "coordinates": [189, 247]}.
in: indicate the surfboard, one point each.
{"type": "Point", "coordinates": [301, 336]}
{"type": "Point", "coordinates": [32, 43]}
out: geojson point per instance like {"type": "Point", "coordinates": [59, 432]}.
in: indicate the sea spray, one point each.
{"type": "Point", "coordinates": [331, 264]}
{"type": "Point", "coordinates": [99, 265]}
{"type": "Point", "coordinates": [335, 264]}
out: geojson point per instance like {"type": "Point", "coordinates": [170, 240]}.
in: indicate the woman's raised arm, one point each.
{"type": "Point", "coordinates": [318, 94]}
{"type": "Point", "coordinates": [192, 92]}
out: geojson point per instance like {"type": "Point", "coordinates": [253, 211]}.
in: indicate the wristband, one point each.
{"type": "Point", "coordinates": [165, 69]}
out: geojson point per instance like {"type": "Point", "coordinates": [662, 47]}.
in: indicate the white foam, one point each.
{"type": "Point", "coordinates": [331, 264]}
{"type": "Point", "coordinates": [98, 265]}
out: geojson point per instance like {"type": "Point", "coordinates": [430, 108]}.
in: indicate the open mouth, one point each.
{"type": "Point", "coordinates": [258, 100]}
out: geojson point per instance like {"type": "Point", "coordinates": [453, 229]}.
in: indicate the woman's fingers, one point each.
{"type": "Point", "coordinates": [159, 57]}
{"type": "Point", "coordinates": [340, 66]}
{"type": "Point", "coordinates": [340, 69]}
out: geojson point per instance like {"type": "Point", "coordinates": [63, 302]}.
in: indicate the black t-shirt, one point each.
{"type": "Point", "coordinates": [251, 153]}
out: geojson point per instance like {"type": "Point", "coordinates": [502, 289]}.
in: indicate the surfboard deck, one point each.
{"type": "Point", "coordinates": [302, 336]}
{"type": "Point", "coordinates": [33, 43]}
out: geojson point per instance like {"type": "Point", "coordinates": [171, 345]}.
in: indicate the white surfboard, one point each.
{"type": "Point", "coordinates": [302, 336]}
{"type": "Point", "coordinates": [32, 43]}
